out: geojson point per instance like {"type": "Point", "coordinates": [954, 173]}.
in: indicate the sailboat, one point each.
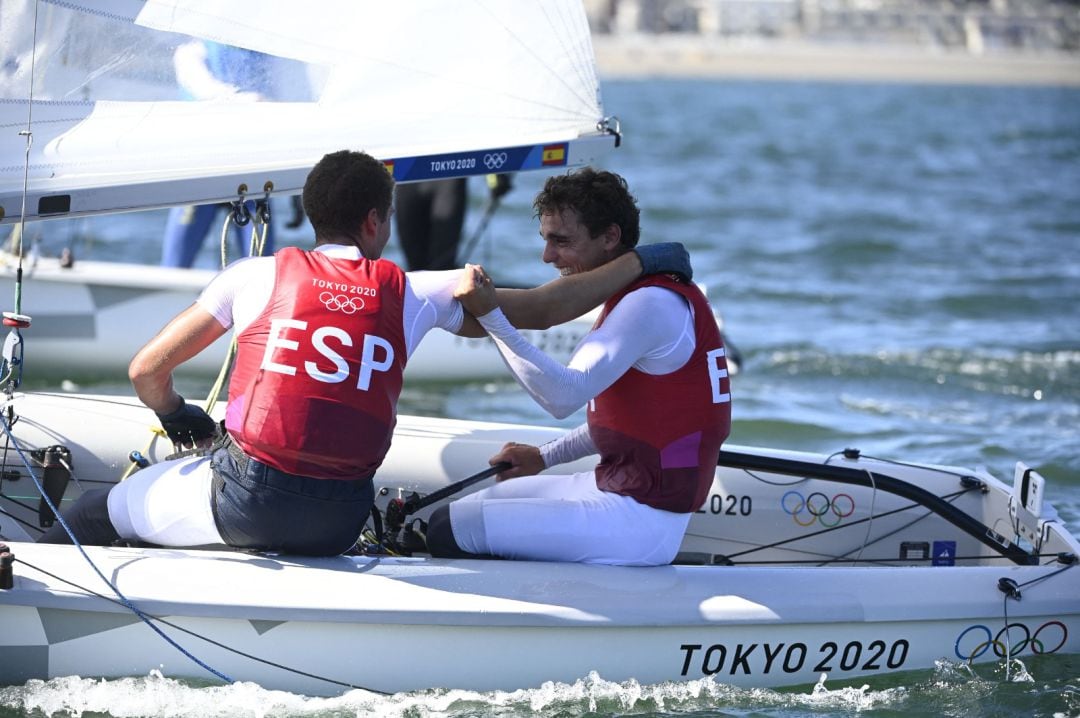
{"type": "Point", "coordinates": [796, 564]}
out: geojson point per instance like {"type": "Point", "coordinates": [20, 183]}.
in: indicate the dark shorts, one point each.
{"type": "Point", "coordinates": [259, 507]}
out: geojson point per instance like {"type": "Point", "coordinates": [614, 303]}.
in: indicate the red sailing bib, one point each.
{"type": "Point", "coordinates": [659, 436]}
{"type": "Point", "coordinates": [318, 373]}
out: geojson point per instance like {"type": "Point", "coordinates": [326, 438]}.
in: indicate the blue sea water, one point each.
{"type": "Point", "coordinates": [899, 267]}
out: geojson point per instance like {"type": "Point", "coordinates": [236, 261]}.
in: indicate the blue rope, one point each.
{"type": "Point", "coordinates": [123, 599]}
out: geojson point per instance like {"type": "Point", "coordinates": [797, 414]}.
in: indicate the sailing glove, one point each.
{"type": "Point", "coordinates": [665, 258]}
{"type": "Point", "coordinates": [187, 425]}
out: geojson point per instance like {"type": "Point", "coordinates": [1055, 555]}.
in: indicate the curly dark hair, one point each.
{"type": "Point", "coordinates": [343, 188]}
{"type": "Point", "coordinates": [600, 198]}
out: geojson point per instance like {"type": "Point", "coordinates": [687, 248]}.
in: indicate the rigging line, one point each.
{"type": "Point", "coordinates": [11, 499]}
{"type": "Point", "coordinates": [7, 377]}
{"type": "Point", "coordinates": [776, 483]}
{"type": "Point", "coordinates": [903, 489]}
{"type": "Point", "coordinates": [28, 133]}
{"type": "Point", "coordinates": [948, 497]}
{"type": "Point", "coordinates": [808, 552]}
{"type": "Point", "coordinates": [24, 522]}
{"type": "Point", "coordinates": [936, 469]}
{"type": "Point", "coordinates": [1006, 659]}
{"type": "Point", "coordinates": [840, 526]}
{"type": "Point", "coordinates": [898, 529]}
{"type": "Point", "coordinates": [219, 382]}
{"type": "Point", "coordinates": [18, 502]}
{"type": "Point", "coordinates": [71, 472]}
{"type": "Point", "coordinates": [866, 540]}
{"type": "Point", "coordinates": [127, 602]}
{"type": "Point", "coordinates": [259, 230]}
{"type": "Point", "coordinates": [587, 102]}
{"type": "Point", "coordinates": [201, 637]}
{"type": "Point", "coordinates": [225, 237]}
{"type": "Point", "coordinates": [1040, 579]}
{"type": "Point", "coordinates": [223, 373]}
{"type": "Point", "coordinates": [870, 523]}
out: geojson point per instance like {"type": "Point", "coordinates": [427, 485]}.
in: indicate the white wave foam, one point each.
{"type": "Point", "coordinates": [155, 696]}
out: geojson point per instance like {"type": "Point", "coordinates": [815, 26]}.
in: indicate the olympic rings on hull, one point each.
{"type": "Point", "coordinates": [817, 507]}
{"type": "Point", "coordinates": [1005, 641]}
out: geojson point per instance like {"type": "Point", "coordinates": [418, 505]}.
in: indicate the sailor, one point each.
{"type": "Point", "coordinates": [323, 337]}
{"type": "Point", "coordinates": [654, 376]}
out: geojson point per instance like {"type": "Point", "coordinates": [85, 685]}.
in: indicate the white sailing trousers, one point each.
{"type": "Point", "coordinates": [552, 517]}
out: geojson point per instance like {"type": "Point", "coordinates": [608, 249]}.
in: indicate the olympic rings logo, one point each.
{"type": "Point", "coordinates": [817, 507]}
{"type": "Point", "coordinates": [494, 160]}
{"type": "Point", "coordinates": [341, 303]}
{"type": "Point", "coordinates": [1041, 641]}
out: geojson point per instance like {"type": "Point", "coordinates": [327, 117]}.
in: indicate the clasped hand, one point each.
{"type": "Point", "coordinates": [475, 291]}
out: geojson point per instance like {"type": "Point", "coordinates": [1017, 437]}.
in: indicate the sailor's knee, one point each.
{"type": "Point", "coordinates": [441, 542]}
{"type": "Point", "coordinates": [440, 535]}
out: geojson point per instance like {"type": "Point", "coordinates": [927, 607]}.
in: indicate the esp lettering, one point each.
{"type": "Point", "coordinates": [376, 355]}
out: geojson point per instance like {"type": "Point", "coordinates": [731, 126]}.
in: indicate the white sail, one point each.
{"type": "Point", "coordinates": [435, 89]}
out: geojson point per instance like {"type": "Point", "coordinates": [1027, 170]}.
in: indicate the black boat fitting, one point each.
{"type": "Point", "coordinates": [7, 559]}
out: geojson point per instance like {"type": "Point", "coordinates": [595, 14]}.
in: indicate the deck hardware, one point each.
{"type": "Point", "coordinates": [56, 463]}
{"type": "Point", "coordinates": [1009, 587]}
{"type": "Point", "coordinates": [7, 579]}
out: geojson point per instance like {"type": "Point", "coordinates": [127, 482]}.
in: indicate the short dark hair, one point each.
{"type": "Point", "coordinates": [343, 188]}
{"type": "Point", "coordinates": [600, 198]}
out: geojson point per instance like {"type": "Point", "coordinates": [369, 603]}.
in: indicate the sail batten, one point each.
{"type": "Point", "coordinates": [123, 120]}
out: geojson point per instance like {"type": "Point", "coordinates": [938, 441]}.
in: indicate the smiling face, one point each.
{"type": "Point", "coordinates": [568, 246]}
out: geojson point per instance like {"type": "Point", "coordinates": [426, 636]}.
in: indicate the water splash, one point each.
{"type": "Point", "coordinates": [155, 696]}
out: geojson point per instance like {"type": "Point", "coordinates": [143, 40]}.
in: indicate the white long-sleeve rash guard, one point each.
{"type": "Point", "coordinates": [651, 329]}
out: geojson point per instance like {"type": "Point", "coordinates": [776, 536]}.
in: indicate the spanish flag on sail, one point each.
{"type": "Point", "coordinates": [553, 155]}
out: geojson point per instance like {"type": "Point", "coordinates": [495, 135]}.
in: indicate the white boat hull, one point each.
{"type": "Point", "coordinates": [394, 625]}
{"type": "Point", "coordinates": [857, 601]}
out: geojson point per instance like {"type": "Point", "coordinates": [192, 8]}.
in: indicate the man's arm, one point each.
{"type": "Point", "coordinates": [562, 299]}
{"type": "Point", "coordinates": [151, 370]}
{"type": "Point", "coordinates": [567, 298]}
{"type": "Point", "coordinates": [528, 460]}
{"type": "Point", "coordinates": [646, 324]}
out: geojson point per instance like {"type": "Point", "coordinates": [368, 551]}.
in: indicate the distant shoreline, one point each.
{"type": "Point", "coordinates": [682, 56]}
